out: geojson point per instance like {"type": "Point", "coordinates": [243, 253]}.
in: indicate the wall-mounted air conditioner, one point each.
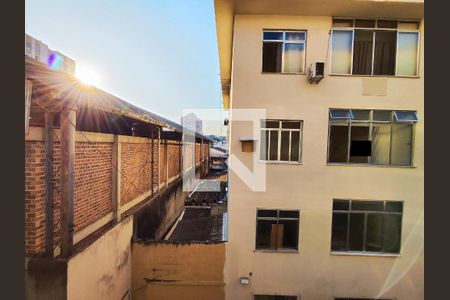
{"type": "Point", "coordinates": [316, 71]}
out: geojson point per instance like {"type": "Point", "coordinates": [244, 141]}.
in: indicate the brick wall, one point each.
{"type": "Point", "coordinates": [34, 197]}
{"type": "Point", "coordinates": [92, 181]}
{"type": "Point", "coordinates": [135, 170]}
{"type": "Point", "coordinates": [197, 153]}
{"type": "Point", "coordinates": [174, 159]}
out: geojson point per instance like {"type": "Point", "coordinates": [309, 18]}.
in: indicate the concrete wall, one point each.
{"type": "Point", "coordinates": [313, 272]}
{"type": "Point", "coordinates": [103, 270]}
{"type": "Point", "coordinates": [170, 271]}
{"type": "Point", "coordinates": [155, 220]}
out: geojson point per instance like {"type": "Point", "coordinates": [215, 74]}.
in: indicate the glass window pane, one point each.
{"type": "Point", "coordinates": [401, 144]}
{"type": "Point", "coordinates": [341, 205]}
{"type": "Point", "coordinates": [340, 114]}
{"type": "Point", "coordinates": [394, 206]}
{"type": "Point", "coordinates": [387, 24]}
{"type": "Point", "coordinates": [270, 124]}
{"type": "Point", "coordinates": [374, 234]}
{"type": "Point", "coordinates": [291, 124]}
{"type": "Point", "coordinates": [362, 52]}
{"type": "Point", "coordinates": [272, 52]}
{"type": "Point", "coordinates": [295, 36]}
{"type": "Point", "coordinates": [360, 114]}
{"type": "Point", "coordinates": [381, 141]}
{"type": "Point", "coordinates": [360, 146]}
{"type": "Point", "coordinates": [339, 232]}
{"type": "Point", "coordinates": [290, 233]}
{"type": "Point", "coordinates": [341, 55]}
{"type": "Point", "coordinates": [264, 145]}
{"type": "Point", "coordinates": [295, 146]}
{"type": "Point", "coordinates": [384, 60]}
{"type": "Point", "coordinates": [289, 214]}
{"type": "Point", "coordinates": [265, 234]}
{"type": "Point", "coordinates": [293, 58]}
{"type": "Point", "coordinates": [382, 115]}
{"type": "Point", "coordinates": [405, 116]}
{"type": "Point", "coordinates": [273, 151]}
{"type": "Point", "coordinates": [267, 213]}
{"type": "Point", "coordinates": [392, 233]}
{"type": "Point", "coordinates": [273, 35]}
{"type": "Point", "coordinates": [368, 205]}
{"type": "Point", "coordinates": [356, 232]}
{"type": "Point", "coordinates": [284, 151]}
{"type": "Point", "coordinates": [338, 145]}
{"type": "Point", "coordinates": [342, 22]}
{"type": "Point", "coordinates": [364, 23]}
{"type": "Point", "coordinates": [407, 53]}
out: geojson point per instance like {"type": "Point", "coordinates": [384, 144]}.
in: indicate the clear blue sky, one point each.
{"type": "Point", "coordinates": [160, 55]}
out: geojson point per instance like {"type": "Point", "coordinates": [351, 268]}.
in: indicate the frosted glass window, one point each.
{"type": "Point", "coordinates": [341, 55]}
{"type": "Point", "coordinates": [293, 58]}
{"type": "Point", "coordinates": [407, 53]}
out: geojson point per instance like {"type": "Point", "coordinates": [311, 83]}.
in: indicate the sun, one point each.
{"type": "Point", "coordinates": [87, 76]}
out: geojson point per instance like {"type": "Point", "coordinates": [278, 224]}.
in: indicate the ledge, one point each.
{"type": "Point", "coordinates": [369, 254]}
{"type": "Point", "coordinates": [368, 165]}
{"type": "Point", "coordinates": [277, 251]}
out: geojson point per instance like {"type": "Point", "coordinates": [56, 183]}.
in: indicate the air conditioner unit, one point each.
{"type": "Point", "coordinates": [316, 71]}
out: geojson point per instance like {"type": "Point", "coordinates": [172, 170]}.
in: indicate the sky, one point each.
{"type": "Point", "coordinates": [160, 55]}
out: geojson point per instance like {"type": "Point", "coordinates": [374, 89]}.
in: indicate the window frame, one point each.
{"type": "Point", "coordinates": [374, 29]}
{"type": "Point", "coordinates": [280, 129]}
{"type": "Point", "coordinates": [371, 122]}
{"type": "Point", "coordinates": [366, 213]}
{"type": "Point", "coordinates": [277, 218]}
{"type": "Point", "coordinates": [283, 42]}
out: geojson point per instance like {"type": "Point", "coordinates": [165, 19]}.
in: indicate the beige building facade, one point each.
{"type": "Point", "coordinates": [342, 214]}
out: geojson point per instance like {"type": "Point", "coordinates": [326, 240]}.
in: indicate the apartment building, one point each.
{"type": "Point", "coordinates": [342, 83]}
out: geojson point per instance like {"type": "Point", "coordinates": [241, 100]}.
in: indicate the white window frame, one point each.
{"type": "Point", "coordinates": [284, 42]}
{"type": "Point", "coordinates": [353, 28]}
{"type": "Point", "coordinates": [279, 130]}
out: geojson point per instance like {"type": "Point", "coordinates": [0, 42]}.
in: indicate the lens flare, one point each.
{"type": "Point", "coordinates": [55, 61]}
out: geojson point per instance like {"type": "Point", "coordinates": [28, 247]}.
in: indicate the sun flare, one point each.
{"type": "Point", "coordinates": [87, 76]}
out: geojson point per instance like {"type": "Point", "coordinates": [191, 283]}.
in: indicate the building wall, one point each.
{"type": "Point", "coordinates": [311, 186]}
{"type": "Point", "coordinates": [170, 271]}
{"type": "Point", "coordinates": [103, 270]}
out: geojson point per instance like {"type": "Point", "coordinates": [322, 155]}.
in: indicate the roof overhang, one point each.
{"type": "Point", "coordinates": [225, 10]}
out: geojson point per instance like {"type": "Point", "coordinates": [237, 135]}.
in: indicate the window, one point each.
{"type": "Point", "coordinates": [366, 226]}
{"type": "Point", "coordinates": [283, 51]}
{"type": "Point", "coordinates": [277, 229]}
{"type": "Point", "coordinates": [281, 140]}
{"type": "Point", "coordinates": [274, 297]}
{"type": "Point", "coordinates": [375, 47]}
{"type": "Point", "coordinates": [378, 137]}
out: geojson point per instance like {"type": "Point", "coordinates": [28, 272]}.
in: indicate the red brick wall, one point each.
{"type": "Point", "coordinates": [162, 163]}
{"type": "Point", "coordinates": [197, 153]}
{"type": "Point", "coordinates": [34, 197]}
{"type": "Point", "coordinates": [93, 182]}
{"type": "Point", "coordinates": [174, 159]}
{"type": "Point", "coordinates": [135, 170]}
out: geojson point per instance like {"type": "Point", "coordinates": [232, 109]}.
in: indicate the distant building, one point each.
{"type": "Point", "coordinates": [191, 121]}
{"type": "Point", "coordinates": [54, 59]}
